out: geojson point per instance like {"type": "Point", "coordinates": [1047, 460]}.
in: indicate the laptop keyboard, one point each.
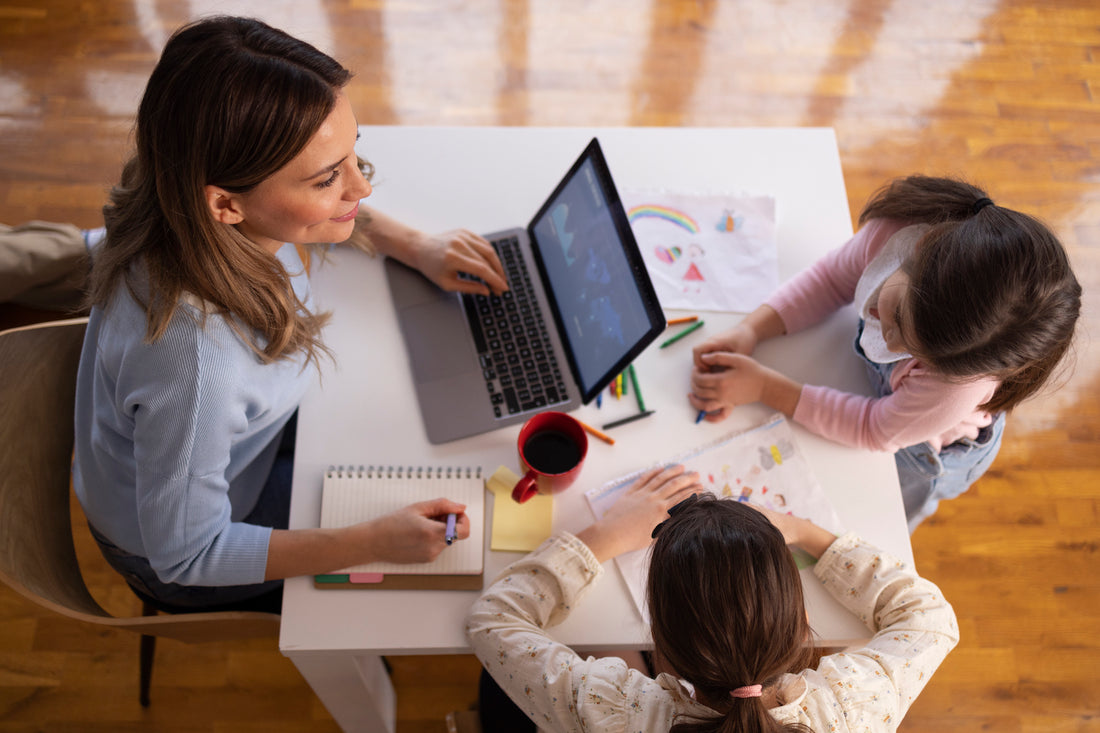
{"type": "Point", "coordinates": [512, 341]}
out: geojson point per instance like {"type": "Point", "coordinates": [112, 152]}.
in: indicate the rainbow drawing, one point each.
{"type": "Point", "coordinates": [653, 211]}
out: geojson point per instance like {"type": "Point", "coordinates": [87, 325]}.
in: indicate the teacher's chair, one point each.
{"type": "Point", "coordinates": [37, 555]}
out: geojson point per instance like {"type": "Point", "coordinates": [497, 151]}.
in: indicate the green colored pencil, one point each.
{"type": "Point", "coordinates": [685, 332]}
{"type": "Point", "coordinates": [637, 390]}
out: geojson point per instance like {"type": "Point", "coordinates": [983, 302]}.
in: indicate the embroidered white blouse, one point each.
{"type": "Point", "coordinates": [861, 689]}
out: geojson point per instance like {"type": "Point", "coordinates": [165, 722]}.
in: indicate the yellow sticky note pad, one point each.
{"type": "Point", "coordinates": [517, 527]}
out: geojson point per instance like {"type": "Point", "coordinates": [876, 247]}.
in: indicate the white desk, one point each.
{"type": "Point", "coordinates": [365, 410]}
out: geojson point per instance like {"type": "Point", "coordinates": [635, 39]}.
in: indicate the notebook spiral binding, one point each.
{"type": "Point", "coordinates": [426, 473]}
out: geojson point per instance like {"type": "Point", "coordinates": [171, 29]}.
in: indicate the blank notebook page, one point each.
{"type": "Point", "coordinates": [353, 495]}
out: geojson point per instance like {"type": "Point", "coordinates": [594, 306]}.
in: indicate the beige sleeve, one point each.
{"type": "Point", "coordinates": [43, 265]}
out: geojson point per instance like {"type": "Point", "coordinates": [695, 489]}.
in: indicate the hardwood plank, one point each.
{"type": "Point", "coordinates": [1002, 93]}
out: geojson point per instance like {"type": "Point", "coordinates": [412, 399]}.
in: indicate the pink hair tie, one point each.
{"type": "Point", "coordinates": [748, 691]}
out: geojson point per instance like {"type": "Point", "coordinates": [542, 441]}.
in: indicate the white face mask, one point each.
{"type": "Point", "coordinates": [874, 345]}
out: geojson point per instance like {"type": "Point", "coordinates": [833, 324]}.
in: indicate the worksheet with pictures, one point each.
{"type": "Point", "coordinates": [762, 466]}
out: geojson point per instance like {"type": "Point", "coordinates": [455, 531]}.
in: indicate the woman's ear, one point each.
{"type": "Point", "coordinates": [224, 206]}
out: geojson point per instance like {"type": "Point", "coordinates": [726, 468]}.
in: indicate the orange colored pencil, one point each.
{"type": "Point", "coordinates": [684, 319]}
{"type": "Point", "coordinates": [599, 434]}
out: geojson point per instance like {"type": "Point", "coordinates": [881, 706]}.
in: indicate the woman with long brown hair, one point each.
{"type": "Point", "coordinates": [202, 336]}
{"type": "Point", "coordinates": [966, 309]}
{"type": "Point", "coordinates": [727, 618]}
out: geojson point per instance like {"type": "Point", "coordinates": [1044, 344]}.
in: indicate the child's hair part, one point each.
{"type": "Point", "coordinates": [991, 290]}
{"type": "Point", "coordinates": [726, 607]}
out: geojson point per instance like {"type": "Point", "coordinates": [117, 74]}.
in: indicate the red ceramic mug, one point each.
{"type": "Point", "coordinates": [552, 447]}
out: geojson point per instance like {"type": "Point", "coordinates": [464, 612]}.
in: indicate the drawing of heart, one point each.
{"type": "Point", "coordinates": [668, 255]}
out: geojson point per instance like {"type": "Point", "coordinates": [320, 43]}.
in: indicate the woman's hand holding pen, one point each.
{"type": "Point", "coordinates": [629, 523]}
{"type": "Point", "coordinates": [445, 258]}
{"type": "Point", "coordinates": [412, 534]}
{"type": "Point", "coordinates": [415, 533]}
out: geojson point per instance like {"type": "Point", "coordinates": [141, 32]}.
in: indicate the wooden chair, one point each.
{"type": "Point", "coordinates": [37, 555]}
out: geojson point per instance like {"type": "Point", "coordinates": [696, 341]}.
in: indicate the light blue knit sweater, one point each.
{"type": "Point", "coordinates": [175, 439]}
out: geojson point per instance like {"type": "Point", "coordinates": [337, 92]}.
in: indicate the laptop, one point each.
{"type": "Point", "coordinates": [580, 308]}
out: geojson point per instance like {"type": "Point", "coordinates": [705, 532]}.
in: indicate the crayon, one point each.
{"type": "Point", "coordinates": [625, 420]}
{"type": "Point", "coordinates": [637, 391]}
{"type": "Point", "coordinates": [599, 434]}
{"type": "Point", "coordinates": [685, 332]}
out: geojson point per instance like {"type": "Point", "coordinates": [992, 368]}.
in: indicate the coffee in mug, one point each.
{"type": "Point", "coordinates": [552, 447]}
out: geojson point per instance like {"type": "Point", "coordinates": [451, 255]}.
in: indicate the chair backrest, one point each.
{"type": "Point", "coordinates": [38, 559]}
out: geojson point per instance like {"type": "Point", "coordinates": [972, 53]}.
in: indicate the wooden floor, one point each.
{"type": "Point", "coordinates": [1004, 93]}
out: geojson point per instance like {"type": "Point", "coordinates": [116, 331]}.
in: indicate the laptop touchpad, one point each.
{"type": "Point", "coordinates": [438, 340]}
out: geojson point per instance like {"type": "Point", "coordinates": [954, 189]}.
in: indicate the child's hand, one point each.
{"type": "Point", "coordinates": [735, 379]}
{"type": "Point", "coordinates": [800, 532]}
{"type": "Point", "coordinates": [727, 381]}
{"type": "Point", "coordinates": [740, 339]}
{"type": "Point", "coordinates": [628, 524]}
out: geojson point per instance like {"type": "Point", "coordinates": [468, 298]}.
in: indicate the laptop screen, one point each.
{"type": "Point", "coordinates": [600, 292]}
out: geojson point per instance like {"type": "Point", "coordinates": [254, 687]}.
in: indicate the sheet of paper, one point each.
{"type": "Point", "coordinates": [706, 252]}
{"type": "Point", "coordinates": [762, 465]}
{"type": "Point", "coordinates": [517, 527]}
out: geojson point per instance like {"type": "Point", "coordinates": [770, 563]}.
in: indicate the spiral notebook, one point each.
{"type": "Point", "coordinates": [356, 494]}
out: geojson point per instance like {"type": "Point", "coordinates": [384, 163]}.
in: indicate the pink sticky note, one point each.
{"type": "Point", "coordinates": [365, 577]}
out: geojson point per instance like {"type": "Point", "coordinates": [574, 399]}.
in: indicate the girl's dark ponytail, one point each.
{"type": "Point", "coordinates": [714, 549]}
{"type": "Point", "coordinates": [924, 200]}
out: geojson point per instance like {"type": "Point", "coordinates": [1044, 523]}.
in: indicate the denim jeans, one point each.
{"type": "Point", "coordinates": [272, 510]}
{"type": "Point", "coordinates": [926, 476]}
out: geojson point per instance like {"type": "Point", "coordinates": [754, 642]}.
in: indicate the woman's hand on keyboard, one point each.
{"type": "Point", "coordinates": [462, 261]}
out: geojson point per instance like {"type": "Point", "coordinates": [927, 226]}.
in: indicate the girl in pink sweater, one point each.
{"type": "Point", "coordinates": [966, 308]}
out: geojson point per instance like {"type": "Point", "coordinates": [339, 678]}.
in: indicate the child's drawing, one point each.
{"type": "Point", "coordinates": [730, 266]}
{"type": "Point", "coordinates": [761, 466]}
{"type": "Point", "coordinates": [730, 221]}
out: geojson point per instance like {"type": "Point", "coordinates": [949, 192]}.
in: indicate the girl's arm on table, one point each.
{"type": "Point", "coordinates": [505, 627]}
{"type": "Point", "coordinates": [923, 407]}
{"type": "Point", "coordinates": [914, 629]}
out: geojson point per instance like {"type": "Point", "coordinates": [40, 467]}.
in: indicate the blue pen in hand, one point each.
{"type": "Point", "coordinates": [450, 536]}
{"type": "Point", "coordinates": [700, 416]}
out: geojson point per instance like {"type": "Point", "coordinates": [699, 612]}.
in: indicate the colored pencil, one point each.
{"type": "Point", "coordinates": [637, 390]}
{"type": "Point", "coordinates": [693, 327]}
{"type": "Point", "coordinates": [598, 433]}
{"type": "Point", "coordinates": [625, 420]}
{"type": "Point", "coordinates": [684, 319]}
